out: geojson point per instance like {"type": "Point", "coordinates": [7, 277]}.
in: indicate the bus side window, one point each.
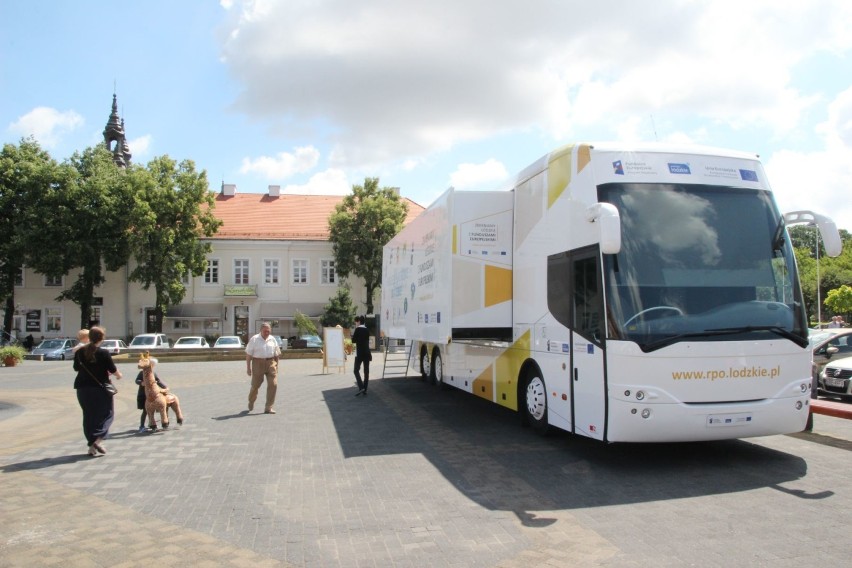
{"type": "Point", "coordinates": [588, 303]}
{"type": "Point", "coordinates": [559, 288]}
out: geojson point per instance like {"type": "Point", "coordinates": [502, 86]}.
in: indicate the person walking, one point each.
{"type": "Point", "coordinates": [262, 353]}
{"type": "Point", "coordinates": [94, 367]}
{"type": "Point", "coordinates": [361, 339]}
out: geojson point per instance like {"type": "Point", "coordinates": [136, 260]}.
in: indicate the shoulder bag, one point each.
{"type": "Point", "coordinates": [107, 386]}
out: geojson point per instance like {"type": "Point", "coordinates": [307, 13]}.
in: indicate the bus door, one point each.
{"type": "Point", "coordinates": [575, 299]}
{"type": "Point", "coordinates": [587, 345]}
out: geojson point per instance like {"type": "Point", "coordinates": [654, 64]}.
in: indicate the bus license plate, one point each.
{"type": "Point", "coordinates": [715, 420]}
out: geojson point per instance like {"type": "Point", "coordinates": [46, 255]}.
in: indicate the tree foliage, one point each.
{"type": "Point", "coordinates": [26, 172]}
{"type": "Point", "coordinates": [304, 324]}
{"type": "Point", "coordinates": [815, 267]}
{"type": "Point", "coordinates": [839, 300]}
{"type": "Point", "coordinates": [340, 310]}
{"type": "Point", "coordinates": [174, 212]}
{"type": "Point", "coordinates": [360, 226]}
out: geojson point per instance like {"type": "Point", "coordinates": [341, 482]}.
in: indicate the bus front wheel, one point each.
{"type": "Point", "coordinates": [535, 403]}
{"type": "Point", "coordinates": [425, 367]}
{"type": "Point", "coordinates": [437, 375]}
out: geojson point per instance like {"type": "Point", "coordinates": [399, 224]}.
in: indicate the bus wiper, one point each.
{"type": "Point", "coordinates": [778, 330]}
{"type": "Point", "coordinates": [665, 342]}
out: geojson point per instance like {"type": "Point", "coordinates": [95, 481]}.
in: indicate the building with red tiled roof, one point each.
{"type": "Point", "coordinates": [270, 258]}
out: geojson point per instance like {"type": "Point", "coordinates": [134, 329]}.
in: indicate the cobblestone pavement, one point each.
{"type": "Point", "coordinates": [410, 475]}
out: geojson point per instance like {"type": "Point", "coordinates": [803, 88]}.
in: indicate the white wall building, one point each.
{"type": "Point", "coordinates": [270, 258]}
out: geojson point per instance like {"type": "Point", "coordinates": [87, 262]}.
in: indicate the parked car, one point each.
{"type": "Point", "coordinates": [312, 340]}
{"type": "Point", "coordinates": [114, 346]}
{"type": "Point", "coordinates": [835, 380]}
{"type": "Point", "coordinates": [191, 342]}
{"type": "Point", "coordinates": [150, 341]}
{"type": "Point", "coordinates": [830, 343]}
{"type": "Point", "coordinates": [55, 349]}
{"type": "Point", "coordinates": [229, 342]}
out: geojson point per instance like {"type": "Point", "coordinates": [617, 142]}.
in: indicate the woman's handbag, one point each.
{"type": "Point", "coordinates": [107, 386]}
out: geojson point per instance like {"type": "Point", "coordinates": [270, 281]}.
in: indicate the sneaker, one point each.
{"type": "Point", "coordinates": [269, 411]}
{"type": "Point", "coordinates": [142, 430]}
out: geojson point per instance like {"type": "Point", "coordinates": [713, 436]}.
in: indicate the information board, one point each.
{"type": "Point", "coordinates": [332, 348]}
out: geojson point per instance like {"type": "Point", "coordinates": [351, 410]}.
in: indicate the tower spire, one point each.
{"type": "Point", "coordinates": [114, 137]}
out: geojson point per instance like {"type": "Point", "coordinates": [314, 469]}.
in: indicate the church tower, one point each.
{"type": "Point", "coordinates": [114, 138]}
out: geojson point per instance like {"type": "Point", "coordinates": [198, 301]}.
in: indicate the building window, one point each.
{"type": "Point", "coordinates": [270, 272]}
{"type": "Point", "coordinates": [185, 278]}
{"type": "Point", "coordinates": [212, 274]}
{"type": "Point", "coordinates": [19, 277]}
{"type": "Point", "coordinates": [241, 271]}
{"type": "Point", "coordinates": [300, 272]}
{"type": "Point", "coordinates": [95, 317]}
{"type": "Point", "coordinates": [53, 281]}
{"type": "Point", "coordinates": [182, 324]}
{"type": "Point", "coordinates": [328, 274]}
{"type": "Point", "coordinates": [53, 317]}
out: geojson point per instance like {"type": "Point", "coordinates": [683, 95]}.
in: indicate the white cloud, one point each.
{"type": "Point", "coordinates": [819, 179]}
{"type": "Point", "coordinates": [385, 81]}
{"type": "Point", "coordinates": [284, 164]}
{"type": "Point", "coordinates": [475, 176]}
{"type": "Point", "coordinates": [139, 147]}
{"type": "Point", "coordinates": [329, 182]}
{"type": "Point", "coordinates": [47, 125]}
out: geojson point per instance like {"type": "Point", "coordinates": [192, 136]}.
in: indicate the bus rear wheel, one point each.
{"type": "Point", "coordinates": [535, 403]}
{"type": "Point", "coordinates": [425, 367]}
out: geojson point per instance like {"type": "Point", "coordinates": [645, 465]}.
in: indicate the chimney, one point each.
{"type": "Point", "coordinates": [229, 189]}
{"type": "Point", "coordinates": [274, 191]}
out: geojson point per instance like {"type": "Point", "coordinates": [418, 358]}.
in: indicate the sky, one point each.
{"type": "Point", "coordinates": [316, 95]}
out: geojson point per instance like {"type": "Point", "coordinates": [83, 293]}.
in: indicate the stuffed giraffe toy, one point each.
{"type": "Point", "coordinates": [157, 399]}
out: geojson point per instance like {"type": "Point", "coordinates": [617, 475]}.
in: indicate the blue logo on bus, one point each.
{"type": "Point", "coordinates": [617, 168]}
{"type": "Point", "coordinates": [748, 175]}
{"type": "Point", "coordinates": [679, 168]}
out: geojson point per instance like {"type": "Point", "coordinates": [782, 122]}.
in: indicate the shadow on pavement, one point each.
{"type": "Point", "coordinates": [45, 462]}
{"type": "Point", "coordinates": [481, 448]}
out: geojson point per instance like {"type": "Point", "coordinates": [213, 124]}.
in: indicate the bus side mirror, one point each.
{"type": "Point", "coordinates": [606, 217]}
{"type": "Point", "coordinates": [827, 229]}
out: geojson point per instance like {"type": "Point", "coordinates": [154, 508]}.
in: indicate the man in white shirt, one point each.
{"type": "Point", "coordinates": [262, 355]}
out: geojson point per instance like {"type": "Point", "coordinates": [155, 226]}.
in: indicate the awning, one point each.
{"type": "Point", "coordinates": [287, 310]}
{"type": "Point", "coordinates": [195, 311]}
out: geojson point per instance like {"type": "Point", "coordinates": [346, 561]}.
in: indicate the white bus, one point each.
{"type": "Point", "coordinates": [627, 294]}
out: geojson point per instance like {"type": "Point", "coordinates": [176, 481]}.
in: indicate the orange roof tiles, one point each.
{"type": "Point", "coordinates": [288, 217]}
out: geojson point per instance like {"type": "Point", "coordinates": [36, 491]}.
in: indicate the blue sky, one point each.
{"type": "Point", "coordinates": [315, 96]}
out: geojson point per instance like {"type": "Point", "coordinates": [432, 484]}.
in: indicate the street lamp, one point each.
{"type": "Point", "coordinates": [819, 301]}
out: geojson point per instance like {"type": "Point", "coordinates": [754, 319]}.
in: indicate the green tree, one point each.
{"type": "Point", "coordinates": [89, 205]}
{"type": "Point", "coordinates": [360, 226]}
{"type": "Point", "coordinates": [839, 300]}
{"type": "Point", "coordinates": [26, 173]}
{"type": "Point", "coordinates": [340, 310]}
{"type": "Point", "coordinates": [175, 211]}
{"type": "Point", "coordinates": [304, 324]}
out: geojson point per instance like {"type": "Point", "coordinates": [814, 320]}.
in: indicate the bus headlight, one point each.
{"type": "Point", "coordinates": [805, 387]}
{"type": "Point", "coordinates": [646, 412]}
{"type": "Point", "coordinates": [640, 395]}
{"type": "Point", "coordinates": [799, 405]}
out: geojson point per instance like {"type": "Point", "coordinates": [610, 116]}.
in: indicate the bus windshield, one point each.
{"type": "Point", "coordinates": [700, 263]}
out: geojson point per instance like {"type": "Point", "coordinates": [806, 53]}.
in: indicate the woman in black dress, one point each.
{"type": "Point", "coordinates": [94, 366]}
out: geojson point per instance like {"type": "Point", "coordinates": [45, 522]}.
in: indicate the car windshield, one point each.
{"type": "Point", "coordinates": [189, 341]}
{"type": "Point", "coordinates": [228, 340]}
{"type": "Point", "coordinates": [51, 344]}
{"type": "Point", "coordinates": [143, 341]}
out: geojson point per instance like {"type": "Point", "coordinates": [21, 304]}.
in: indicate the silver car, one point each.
{"type": "Point", "coordinates": [55, 349]}
{"type": "Point", "coordinates": [835, 380]}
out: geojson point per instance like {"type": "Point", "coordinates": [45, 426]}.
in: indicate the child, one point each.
{"type": "Point", "coordinates": [140, 400]}
{"type": "Point", "coordinates": [82, 340]}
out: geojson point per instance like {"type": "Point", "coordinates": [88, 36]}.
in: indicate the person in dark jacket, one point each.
{"type": "Point", "coordinates": [361, 339]}
{"type": "Point", "coordinates": [94, 366]}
